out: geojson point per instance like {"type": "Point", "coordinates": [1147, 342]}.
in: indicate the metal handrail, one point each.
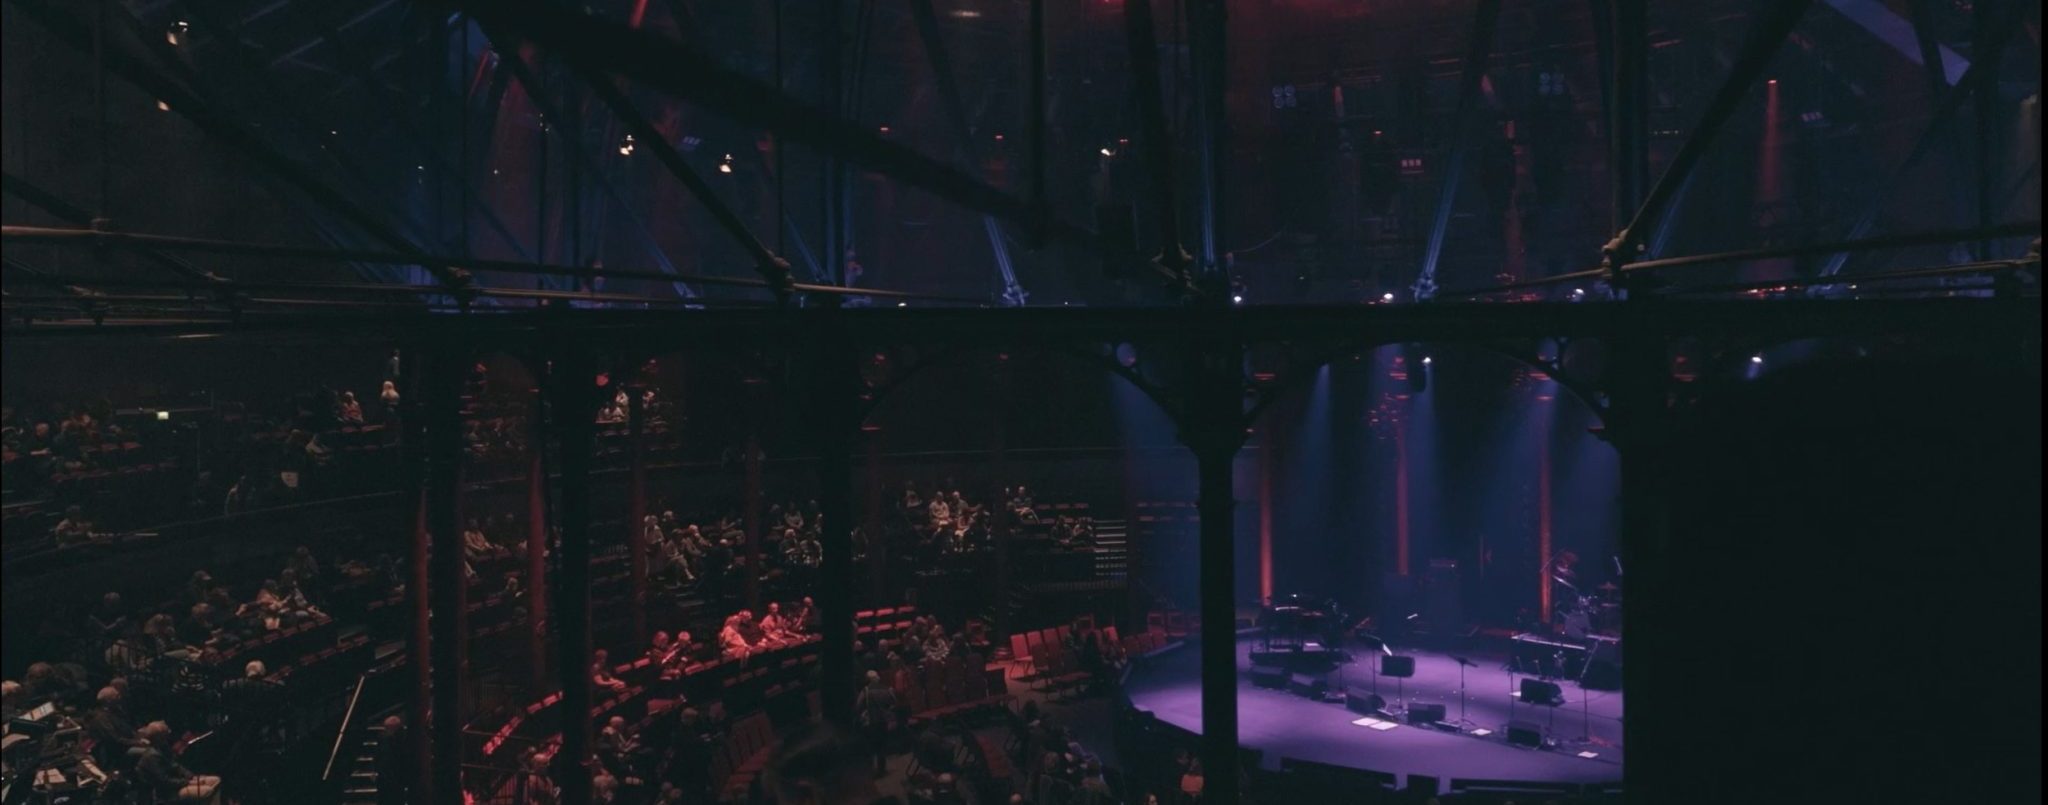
{"type": "Point", "coordinates": [341, 733]}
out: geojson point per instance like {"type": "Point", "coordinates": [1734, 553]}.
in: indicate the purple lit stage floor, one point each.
{"type": "Point", "coordinates": [1282, 724]}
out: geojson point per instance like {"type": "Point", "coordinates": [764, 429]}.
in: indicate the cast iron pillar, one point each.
{"type": "Point", "coordinates": [1639, 424]}
{"type": "Point", "coordinates": [1214, 429]}
{"type": "Point", "coordinates": [750, 514]}
{"type": "Point", "coordinates": [413, 443]}
{"type": "Point", "coordinates": [537, 535]}
{"type": "Point", "coordinates": [575, 396]}
{"type": "Point", "coordinates": [836, 397]}
{"type": "Point", "coordinates": [636, 510]}
{"type": "Point", "coordinates": [449, 585]}
{"type": "Point", "coordinates": [1628, 124]}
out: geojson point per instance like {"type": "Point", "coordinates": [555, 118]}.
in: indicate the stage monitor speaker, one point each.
{"type": "Point", "coordinates": [1525, 733]}
{"type": "Point", "coordinates": [1425, 713]}
{"type": "Point", "coordinates": [1364, 704]}
{"type": "Point", "coordinates": [1539, 692]}
{"type": "Point", "coordinates": [1308, 685]}
{"type": "Point", "coordinates": [1397, 665]}
{"type": "Point", "coordinates": [1269, 676]}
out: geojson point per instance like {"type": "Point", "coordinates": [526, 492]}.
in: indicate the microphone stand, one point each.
{"type": "Point", "coordinates": [1464, 724]}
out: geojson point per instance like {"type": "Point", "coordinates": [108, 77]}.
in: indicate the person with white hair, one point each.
{"type": "Point", "coordinates": [155, 767]}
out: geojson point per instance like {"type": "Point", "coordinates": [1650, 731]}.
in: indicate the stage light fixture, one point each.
{"type": "Point", "coordinates": [725, 165]}
{"type": "Point", "coordinates": [1387, 297]}
{"type": "Point", "coordinates": [1427, 360]}
{"type": "Point", "coordinates": [163, 416]}
{"type": "Point", "coordinates": [1756, 359]}
{"type": "Point", "coordinates": [1577, 295]}
{"type": "Point", "coordinates": [1237, 299]}
{"type": "Point", "coordinates": [163, 106]}
{"type": "Point", "coordinates": [1108, 152]}
{"type": "Point", "coordinates": [176, 33]}
{"type": "Point", "coordinates": [626, 146]}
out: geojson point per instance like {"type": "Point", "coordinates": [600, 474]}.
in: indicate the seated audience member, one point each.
{"type": "Point", "coordinates": [110, 618]}
{"type": "Point", "coordinates": [75, 529]}
{"type": "Point", "coordinates": [347, 410]}
{"type": "Point", "coordinates": [803, 618]}
{"type": "Point", "coordinates": [732, 637]}
{"type": "Point", "coordinates": [108, 726]}
{"type": "Point", "coordinates": [773, 628]}
{"type": "Point", "coordinates": [156, 769]}
{"type": "Point", "coordinates": [601, 673]}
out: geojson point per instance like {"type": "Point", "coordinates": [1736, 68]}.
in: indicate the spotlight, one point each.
{"type": "Point", "coordinates": [1427, 360]}
{"type": "Point", "coordinates": [1773, 82]}
{"type": "Point", "coordinates": [1387, 297]}
{"type": "Point", "coordinates": [1106, 151]}
{"type": "Point", "coordinates": [903, 304]}
{"type": "Point", "coordinates": [1237, 298]}
{"type": "Point", "coordinates": [725, 165]}
{"type": "Point", "coordinates": [626, 146]}
{"type": "Point", "coordinates": [163, 416]}
{"type": "Point", "coordinates": [884, 129]}
{"type": "Point", "coordinates": [1757, 360]}
{"type": "Point", "coordinates": [1577, 295]}
{"type": "Point", "coordinates": [163, 106]}
{"type": "Point", "coordinates": [176, 33]}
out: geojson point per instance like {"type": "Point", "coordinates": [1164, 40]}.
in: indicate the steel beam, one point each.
{"type": "Point", "coordinates": [1628, 106]}
{"type": "Point", "coordinates": [773, 269]}
{"type": "Point", "coordinates": [187, 104]}
{"type": "Point", "coordinates": [500, 39]}
{"type": "Point", "coordinates": [51, 203]}
{"type": "Point", "coordinates": [950, 97]}
{"type": "Point", "coordinates": [1479, 50]}
{"type": "Point", "coordinates": [390, 107]}
{"type": "Point", "coordinates": [171, 243]}
{"type": "Point", "coordinates": [662, 63]}
{"type": "Point", "coordinates": [1157, 140]}
{"type": "Point", "coordinates": [1934, 135]}
{"type": "Point", "coordinates": [1775, 22]}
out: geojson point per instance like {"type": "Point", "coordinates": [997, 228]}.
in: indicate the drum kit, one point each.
{"type": "Point", "coordinates": [1577, 614]}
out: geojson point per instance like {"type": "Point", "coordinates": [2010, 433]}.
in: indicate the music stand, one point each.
{"type": "Point", "coordinates": [1374, 643]}
{"type": "Point", "coordinates": [1463, 723]}
{"type": "Point", "coordinates": [1400, 667]}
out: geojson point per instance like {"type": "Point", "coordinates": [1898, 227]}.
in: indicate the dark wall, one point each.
{"type": "Point", "coordinates": [1855, 562]}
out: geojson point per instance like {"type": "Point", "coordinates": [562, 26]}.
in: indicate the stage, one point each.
{"type": "Point", "coordinates": [1285, 725]}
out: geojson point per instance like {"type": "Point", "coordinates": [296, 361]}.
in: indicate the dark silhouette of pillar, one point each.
{"type": "Point", "coordinates": [836, 397]}
{"type": "Point", "coordinates": [871, 523]}
{"type": "Point", "coordinates": [575, 406]}
{"type": "Point", "coordinates": [750, 513]}
{"type": "Point", "coordinates": [636, 510]}
{"type": "Point", "coordinates": [449, 584]}
{"type": "Point", "coordinates": [1214, 429]}
{"type": "Point", "coordinates": [537, 536]}
{"type": "Point", "coordinates": [1638, 424]}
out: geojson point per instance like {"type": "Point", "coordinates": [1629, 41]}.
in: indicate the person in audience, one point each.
{"type": "Point", "coordinates": [601, 672]}
{"type": "Point", "coordinates": [732, 640]}
{"type": "Point", "coordinates": [160, 639]}
{"type": "Point", "coordinates": [303, 566]}
{"type": "Point", "coordinates": [110, 618]}
{"type": "Point", "coordinates": [773, 629]}
{"type": "Point", "coordinates": [109, 728]}
{"type": "Point", "coordinates": [803, 618]}
{"type": "Point", "coordinates": [389, 396]}
{"type": "Point", "coordinates": [876, 709]}
{"type": "Point", "coordinates": [156, 769]}
{"type": "Point", "coordinates": [394, 762]}
{"type": "Point", "coordinates": [347, 410]}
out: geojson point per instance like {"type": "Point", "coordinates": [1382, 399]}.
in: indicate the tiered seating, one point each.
{"type": "Point", "coordinates": [740, 760]}
{"type": "Point", "coordinates": [954, 688]}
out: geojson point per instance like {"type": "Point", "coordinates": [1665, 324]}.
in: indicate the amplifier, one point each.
{"type": "Point", "coordinates": [1525, 733]}
{"type": "Point", "coordinates": [1364, 704]}
{"type": "Point", "coordinates": [1425, 713]}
